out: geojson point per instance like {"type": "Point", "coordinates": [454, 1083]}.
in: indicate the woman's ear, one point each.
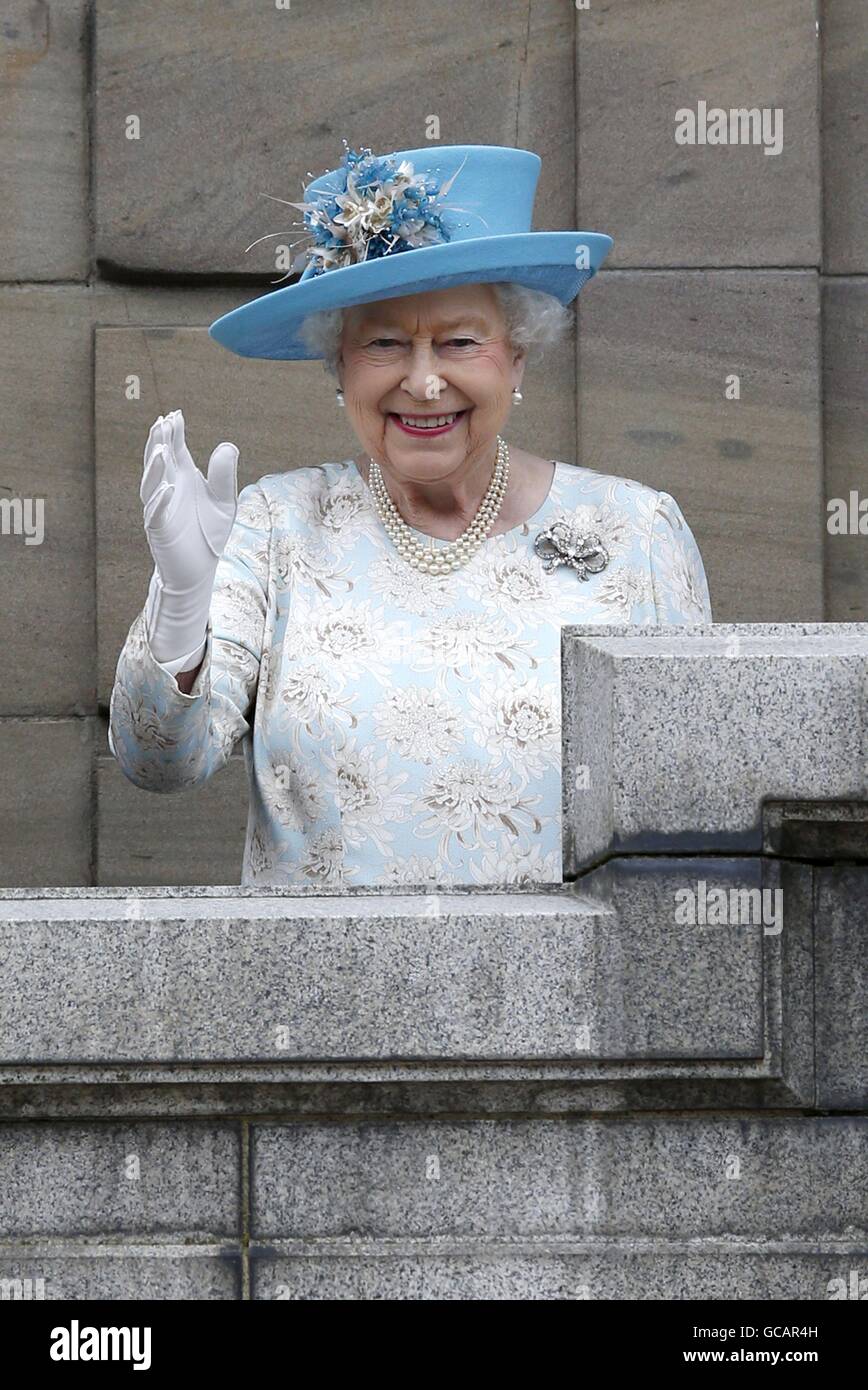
{"type": "Point", "coordinates": [519, 362]}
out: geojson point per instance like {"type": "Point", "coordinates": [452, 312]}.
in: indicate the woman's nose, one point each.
{"type": "Point", "coordinates": [422, 380]}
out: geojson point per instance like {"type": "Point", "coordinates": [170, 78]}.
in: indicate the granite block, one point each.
{"type": "Point", "coordinates": [841, 951]}
{"type": "Point", "coordinates": [686, 1177]}
{"type": "Point", "coordinates": [60, 1271]}
{"type": "Point", "coordinates": [816, 829]}
{"type": "Point", "coordinates": [541, 1275]}
{"type": "Point", "coordinates": [397, 980]}
{"type": "Point", "coordinates": [793, 700]}
{"type": "Point", "coordinates": [151, 1178]}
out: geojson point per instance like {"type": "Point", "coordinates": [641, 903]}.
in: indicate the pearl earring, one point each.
{"type": "Point", "coordinates": [516, 395]}
{"type": "Point", "coordinates": [339, 397]}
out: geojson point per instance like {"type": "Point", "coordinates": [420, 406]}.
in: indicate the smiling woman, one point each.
{"type": "Point", "coordinates": [381, 633]}
{"type": "Point", "coordinates": [428, 380]}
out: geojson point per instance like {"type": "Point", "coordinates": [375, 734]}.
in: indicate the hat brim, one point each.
{"type": "Point", "coordinates": [268, 326]}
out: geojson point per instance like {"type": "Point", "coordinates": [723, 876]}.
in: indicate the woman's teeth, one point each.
{"type": "Point", "coordinates": [428, 422]}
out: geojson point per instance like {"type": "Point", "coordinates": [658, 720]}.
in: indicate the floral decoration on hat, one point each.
{"type": "Point", "coordinates": [382, 208]}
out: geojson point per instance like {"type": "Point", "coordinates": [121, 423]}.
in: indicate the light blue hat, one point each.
{"type": "Point", "coordinates": [403, 223]}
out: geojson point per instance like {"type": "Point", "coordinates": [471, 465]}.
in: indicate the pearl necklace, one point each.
{"type": "Point", "coordinates": [459, 551]}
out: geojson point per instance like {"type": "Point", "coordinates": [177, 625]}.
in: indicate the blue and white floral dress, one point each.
{"type": "Point", "coordinates": [398, 728]}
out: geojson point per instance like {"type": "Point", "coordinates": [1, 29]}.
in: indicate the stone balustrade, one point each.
{"type": "Point", "coordinates": [649, 1081]}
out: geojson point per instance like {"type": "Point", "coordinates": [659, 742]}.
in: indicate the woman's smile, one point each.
{"type": "Point", "coordinates": [427, 424]}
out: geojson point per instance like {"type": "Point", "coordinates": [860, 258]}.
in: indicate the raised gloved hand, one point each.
{"type": "Point", "coordinates": [187, 519]}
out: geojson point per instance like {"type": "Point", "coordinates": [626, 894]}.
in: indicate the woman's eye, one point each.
{"type": "Point", "coordinates": [386, 343]}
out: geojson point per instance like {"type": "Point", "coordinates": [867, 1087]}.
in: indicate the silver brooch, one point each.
{"type": "Point", "coordinates": [563, 543]}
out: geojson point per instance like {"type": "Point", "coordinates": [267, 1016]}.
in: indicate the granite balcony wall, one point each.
{"type": "Point", "coordinates": [646, 1082]}
{"type": "Point", "coordinates": [725, 262]}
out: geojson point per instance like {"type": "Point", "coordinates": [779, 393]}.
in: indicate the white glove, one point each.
{"type": "Point", "coordinates": [187, 524]}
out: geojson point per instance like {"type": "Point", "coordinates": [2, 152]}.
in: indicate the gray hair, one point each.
{"type": "Point", "coordinates": [534, 321]}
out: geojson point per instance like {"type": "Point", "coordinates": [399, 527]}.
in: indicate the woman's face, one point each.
{"type": "Point", "coordinates": [441, 353]}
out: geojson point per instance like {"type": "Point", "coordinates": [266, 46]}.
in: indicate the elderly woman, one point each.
{"type": "Point", "coordinates": [382, 633]}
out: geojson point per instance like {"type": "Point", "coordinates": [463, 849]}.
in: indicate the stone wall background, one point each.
{"type": "Point", "coordinates": [116, 253]}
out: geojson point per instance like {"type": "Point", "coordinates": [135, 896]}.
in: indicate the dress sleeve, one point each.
{"type": "Point", "coordinates": [165, 740]}
{"type": "Point", "coordinates": [677, 572]}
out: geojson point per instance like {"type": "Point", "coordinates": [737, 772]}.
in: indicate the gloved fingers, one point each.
{"type": "Point", "coordinates": [223, 473]}
{"type": "Point", "coordinates": [180, 453]}
{"type": "Point", "coordinates": [160, 462]}
{"type": "Point", "coordinates": [157, 507]}
{"type": "Point", "coordinates": [154, 433]}
{"type": "Point", "coordinates": [152, 477]}
{"type": "Point", "coordinates": [152, 465]}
